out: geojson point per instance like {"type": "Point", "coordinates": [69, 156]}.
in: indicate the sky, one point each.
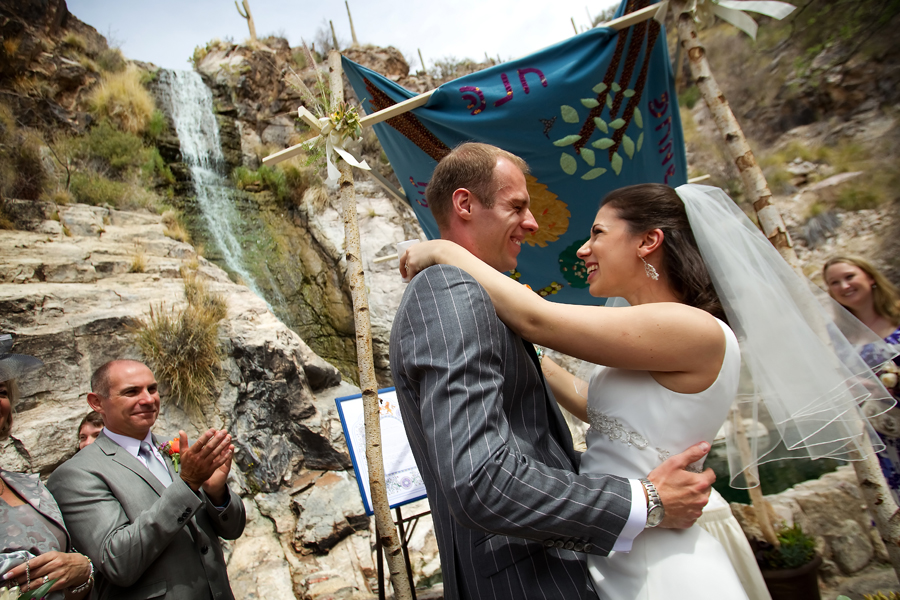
{"type": "Point", "coordinates": [165, 32]}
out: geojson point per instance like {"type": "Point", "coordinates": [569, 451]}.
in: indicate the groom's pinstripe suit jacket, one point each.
{"type": "Point", "coordinates": [510, 510]}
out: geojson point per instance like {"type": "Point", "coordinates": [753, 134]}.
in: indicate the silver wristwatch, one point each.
{"type": "Point", "coordinates": [655, 511]}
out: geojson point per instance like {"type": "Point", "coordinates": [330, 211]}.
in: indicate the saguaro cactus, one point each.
{"type": "Point", "coordinates": [247, 15]}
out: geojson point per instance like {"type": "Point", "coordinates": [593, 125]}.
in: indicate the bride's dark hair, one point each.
{"type": "Point", "coordinates": [656, 206]}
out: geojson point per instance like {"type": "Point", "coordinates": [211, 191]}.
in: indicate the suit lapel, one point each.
{"type": "Point", "coordinates": [119, 455]}
{"type": "Point", "coordinates": [558, 426]}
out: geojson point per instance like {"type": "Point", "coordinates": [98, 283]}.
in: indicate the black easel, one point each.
{"type": "Point", "coordinates": [405, 536]}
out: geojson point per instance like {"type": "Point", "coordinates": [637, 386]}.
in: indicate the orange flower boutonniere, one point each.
{"type": "Point", "coordinates": [173, 449]}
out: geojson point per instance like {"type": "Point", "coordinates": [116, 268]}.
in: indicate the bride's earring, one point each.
{"type": "Point", "coordinates": [650, 270]}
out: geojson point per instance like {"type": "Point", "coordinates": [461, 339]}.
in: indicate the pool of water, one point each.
{"type": "Point", "coordinates": [774, 477]}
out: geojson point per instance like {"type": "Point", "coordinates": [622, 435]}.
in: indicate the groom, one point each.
{"type": "Point", "coordinates": [513, 518]}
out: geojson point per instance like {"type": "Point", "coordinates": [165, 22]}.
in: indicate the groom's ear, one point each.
{"type": "Point", "coordinates": [652, 240]}
{"type": "Point", "coordinates": [462, 204]}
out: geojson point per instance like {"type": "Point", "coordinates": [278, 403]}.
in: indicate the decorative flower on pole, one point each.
{"type": "Point", "coordinates": [732, 11]}
{"type": "Point", "coordinates": [335, 129]}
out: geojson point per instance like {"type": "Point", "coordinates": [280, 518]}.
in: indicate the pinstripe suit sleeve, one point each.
{"type": "Point", "coordinates": [450, 347]}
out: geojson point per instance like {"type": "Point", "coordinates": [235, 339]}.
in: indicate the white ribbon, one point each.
{"type": "Point", "coordinates": [732, 11]}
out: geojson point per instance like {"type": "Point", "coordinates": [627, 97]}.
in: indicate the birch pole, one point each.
{"type": "Point", "coordinates": [384, 522]}
{"type": "Point", "coordinates": [871, 481]}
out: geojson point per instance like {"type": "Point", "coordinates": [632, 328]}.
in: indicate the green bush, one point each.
{"type": "Point", "coordinates": [117, 149]}
{"type": "Point", "coordinates": [156, 126]}
{"type": "Point", "coordinates": [157, 167]}
{"type": "Point", "coordinates": [91, 188]}
{"type": "Point", "coordinates": [298, 180]}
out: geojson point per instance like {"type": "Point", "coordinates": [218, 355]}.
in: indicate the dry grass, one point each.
{"type": "Point", "coordinates": [182, 346]}
{"type": "Point", "coordinates": [173, 220]}
{"type": "Point", "coordinates": [121, 98]}
{"type": "Point", "coordinates": [138, 261]}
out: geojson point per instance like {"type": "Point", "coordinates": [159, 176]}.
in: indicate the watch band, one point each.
{"type": "Point", "coordinates": [655, 510]}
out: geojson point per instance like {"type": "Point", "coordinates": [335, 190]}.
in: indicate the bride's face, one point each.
{"type": "Point", "coordinates": [610, 255]}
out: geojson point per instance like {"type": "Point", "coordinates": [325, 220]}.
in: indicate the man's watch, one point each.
{"type": "Point", "coordinates": [655, 511]}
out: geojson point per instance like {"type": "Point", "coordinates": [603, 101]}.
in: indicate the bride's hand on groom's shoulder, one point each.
{"type": "Point", "coordinates": [683, 494]}
{"type": "Point", "coordinates": [419, 257]}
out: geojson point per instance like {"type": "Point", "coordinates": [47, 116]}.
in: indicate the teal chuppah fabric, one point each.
{"type": "Point", "coordinates": [589, 115]}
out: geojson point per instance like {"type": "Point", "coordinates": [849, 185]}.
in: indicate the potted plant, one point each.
{"type": "Point", "coordinates": [790, 569]}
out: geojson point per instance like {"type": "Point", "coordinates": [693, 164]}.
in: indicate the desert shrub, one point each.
{"type": "Point", "coordinates": [30, 176]}
{"type": "Point", "coordinates": [173, 221]}
{"type": "Point", "coordinates": [182, 346]}
{"type": "Point", "coordinates": [74, 41]}
{"type": "Point", "coordinates": [156, 167]}
{"type": "Point", "coordinates": [111, 60]}
{"type": "Point", "coordinates": [156, 126]}
{"type": "Point", "coordinates": [121, 98]}
{"type": "Point", "coordinates": [298, 180]}
{"type": "Point", "coordinates": [273, 179]}
{"type": "Point", "coordinates": [119, 150]}
{"type": "Point", "coordinates": [267, 178]}
{"type": "Point", "coordinates": [138, 262]}
{"type": "Point", "coordinates": [244, 177]}
{"type": "Point", "coordinates": [92, 188]}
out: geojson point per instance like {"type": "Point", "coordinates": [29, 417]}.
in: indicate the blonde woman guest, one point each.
{"type": "Point", "coordinates": [861, 288]}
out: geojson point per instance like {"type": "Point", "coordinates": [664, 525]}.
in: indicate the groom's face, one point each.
{"type": "Point", "coordinates": [498, 231]}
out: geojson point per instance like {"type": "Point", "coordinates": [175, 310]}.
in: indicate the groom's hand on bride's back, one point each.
{"type": "Point", "coordinates": [683, 494]}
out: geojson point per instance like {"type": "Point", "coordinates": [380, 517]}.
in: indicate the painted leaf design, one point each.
{"type": "Point", "coordinates": [568, 140]}
{"type": "Point", "coordinates": [617, 124]}
{"type": "Point", "coordinates": [638, 117]}
{"type": "Point", "coordinates": [609, 101]}
{"type": "Point", "coordinates": [616, 87]}
{"type": "Point", "coordinates": [568, 164]}
{"type": "Point", "coordinates": [593, 173]}
{"type": "Point", "coordinates": [603, 143]}
{"type": "Point", "coordinates": [588, 155]}
{"type": "Point", "coordinates": [601, 124]}
{"type": "Point", "coordinates": [640, 141]}
{"type": "Point", "coordinates": [599, 88]}
{"type": "Point", "coordinates": [616, 163]}
{"type": "Point", "coordinates": [628, 146]}
{"type": "Point", "coordinates": [569, 114]}
{"type": "Point", "coordinates": [628, 93]}
{"type": "Point", "coordinates": [590, 102]}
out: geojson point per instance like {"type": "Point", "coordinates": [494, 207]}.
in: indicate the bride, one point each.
{"type": "Point", "coordinates": [690, 264]}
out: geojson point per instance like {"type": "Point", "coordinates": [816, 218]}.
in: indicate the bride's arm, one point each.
{"type": "Point", "coordinates": [663, 336]}
{"type": "Point", "coordinates": [565, 388]}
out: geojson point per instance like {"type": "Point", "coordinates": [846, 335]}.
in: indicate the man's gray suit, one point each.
{"type": "Point", "coordinates": [512, 516]}
{"type": "Point", "coordinates": [146, 540]}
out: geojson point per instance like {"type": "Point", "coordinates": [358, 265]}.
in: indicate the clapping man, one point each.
{"type": "Point", "coordinates": [150, 529]}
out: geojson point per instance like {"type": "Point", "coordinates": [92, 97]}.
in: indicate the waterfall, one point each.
{"type": "Point", "coordinates": [189, 103]}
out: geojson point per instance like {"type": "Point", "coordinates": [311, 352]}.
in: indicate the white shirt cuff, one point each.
{"type": "Point", "coordinates": [637, 518]}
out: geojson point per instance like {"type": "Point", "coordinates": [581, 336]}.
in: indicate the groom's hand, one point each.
{"type": "Point", "coordinates": [683, 494]}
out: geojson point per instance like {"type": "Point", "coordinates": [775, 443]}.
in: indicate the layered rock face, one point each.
{"type": "Point", "coordinates": [71, 286]}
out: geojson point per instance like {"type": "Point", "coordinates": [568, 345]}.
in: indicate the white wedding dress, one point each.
{"type": "Point", "coordinates": [635, 424]}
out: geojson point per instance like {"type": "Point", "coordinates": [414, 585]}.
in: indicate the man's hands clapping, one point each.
{"type": "Point", "coordinates": [207, 463]}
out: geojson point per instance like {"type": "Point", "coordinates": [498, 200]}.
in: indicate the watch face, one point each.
{"type": "Point", "coordinates": [655, 516]}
